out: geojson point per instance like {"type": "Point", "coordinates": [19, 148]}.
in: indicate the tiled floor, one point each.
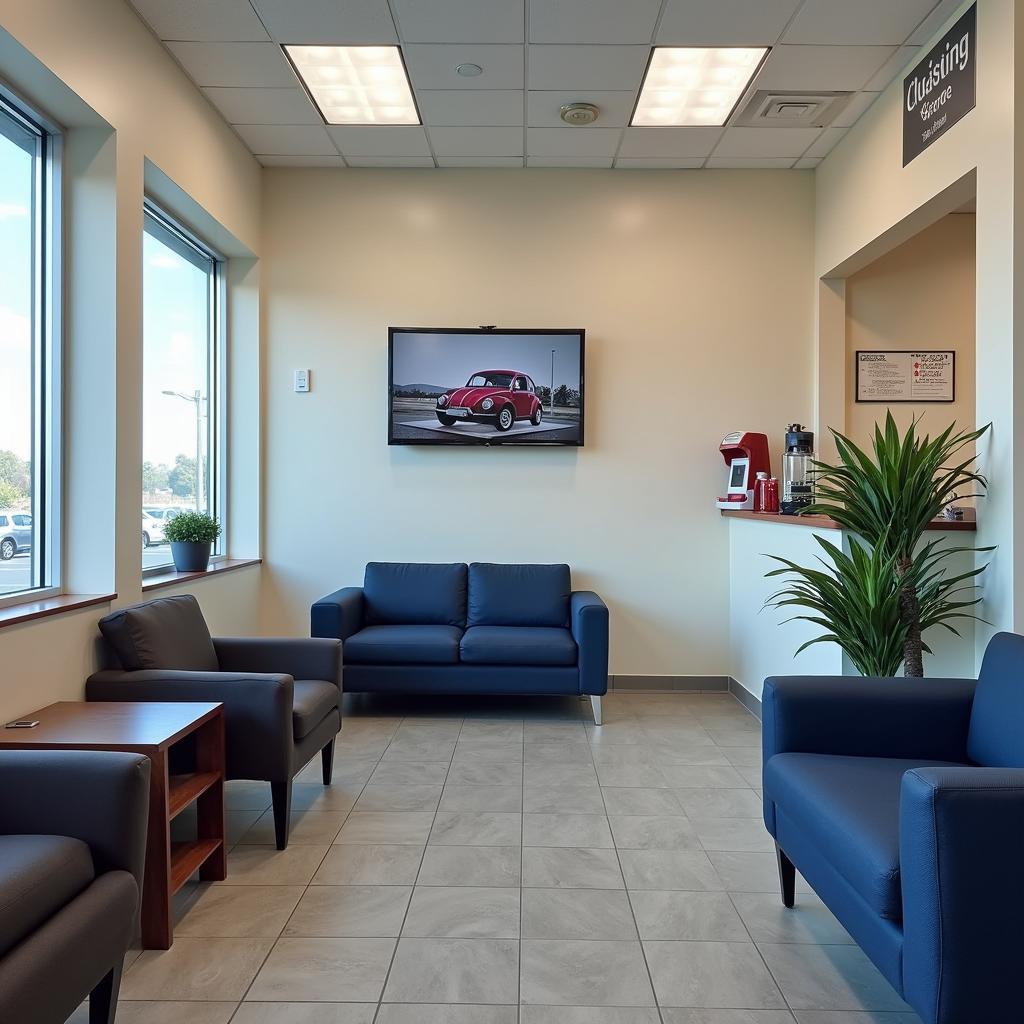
{"type": "Point", "coordinates": [482, 863]}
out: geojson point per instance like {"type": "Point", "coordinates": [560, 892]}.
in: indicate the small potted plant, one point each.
{"type": "Point", "coordinates": [192, 535]}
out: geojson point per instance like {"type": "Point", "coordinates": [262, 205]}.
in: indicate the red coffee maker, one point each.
{"type": "Point", "coordinates": [746, 455]}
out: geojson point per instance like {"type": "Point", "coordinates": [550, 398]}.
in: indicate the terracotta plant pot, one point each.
{"type": "Point", "coordinates": [190, 556]}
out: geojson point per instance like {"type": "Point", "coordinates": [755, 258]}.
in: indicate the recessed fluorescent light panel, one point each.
{"type": "Point", "coordinates": [692, 85]}
{"type": "Point", "coordinates": [356, 84]}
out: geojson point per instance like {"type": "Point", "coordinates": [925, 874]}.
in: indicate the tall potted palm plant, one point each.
{"type": "Point", "coordinates": [878, 601]}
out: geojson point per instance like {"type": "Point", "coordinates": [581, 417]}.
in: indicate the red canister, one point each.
{"type": "Point", "coordinates": [771, 496]}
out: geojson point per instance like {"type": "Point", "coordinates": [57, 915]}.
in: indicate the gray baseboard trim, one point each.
{"type": "Point", "coordinates": [672, 684]}
{"type": "Point", "coordinates": [746, 698]}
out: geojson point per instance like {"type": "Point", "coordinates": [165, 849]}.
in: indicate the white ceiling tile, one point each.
{"type": "Point", "coordinates": [235, 64]}
{"type": "Point", "coordinates": [471, 106]}
{"type": "Point", "coordinates": [825, 142]}
{"type": "Point", "coordinates": [282, 139]}
{"type": "Point", "coordinates": [278, 160]}
{"type": "Point", "coordinates": [563, 142]}
{"type": "Point", "coordinates": [351, 22]}
{"type": "Point", "coordinates": [858, 104]}
{"type": "Point", "coordinates": [568, 161]}
{"type": "Point", "coordinates": [864, 23]}
{"type": "Point", "coordinates": [544, 108]}
{"type": "Point", "coordinates": [655, 163]}
{"type": "Point", "coordinates": [480, 161]}
{"type": "Point", "coordinates": [433, 67]}
{"type": "Point", "coordinates": [610, 68]}
{"type": "Point", "coordinates": [894, 66]}
{"type": "Point", "coordinates": [941, 13]}
{"type": "Point", "coordinates": [749, 163]}
{"type": "Point", "coordinates": [592, 21]}
{"type": "Point", "coordinates": [460, 21]}
{"type": "Point", "coordinates": [669, 142]}
{"type": "Point", "coordinates": [807, 163]}
{"type": "Point", "coordinates": [201, 20]}
{"type": "Point", "coordinates": [822, 67]}
{"type": "Point", "coordinates": [264, 106]}
{"type": "Point", "coordinates": [379, 140]}
{"type": "Point", "coordinates": [390, 161]}
{"type": "Point", "coordinates": [477, 141]}
{"type": "Point", "coordinates": [749, 143]}
{"type": "Point", "coordinates": [724, 22]}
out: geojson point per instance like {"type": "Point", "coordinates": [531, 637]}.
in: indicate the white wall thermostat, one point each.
{"type": "Point", "coordinates": [302, 380]}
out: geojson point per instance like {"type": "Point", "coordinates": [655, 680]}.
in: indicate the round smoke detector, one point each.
{"type": "Point", "coordinates": [579, 113]}
{"type": "Point", "coordinates": [469, 70]}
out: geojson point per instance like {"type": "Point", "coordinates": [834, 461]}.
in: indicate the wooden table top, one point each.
{"type": "Point", "coordinates": [110, 725]}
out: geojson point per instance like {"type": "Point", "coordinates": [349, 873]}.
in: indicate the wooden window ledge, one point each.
{"type": "Point", "coordinates": [170, 578]}
{"type": "Point", "coordinates": [44, 607]}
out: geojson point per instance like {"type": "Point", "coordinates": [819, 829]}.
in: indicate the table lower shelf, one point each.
{"type": "Point", "coordinates": [183, 789]}
{"type": "Point", "coordinates": [188, 857]}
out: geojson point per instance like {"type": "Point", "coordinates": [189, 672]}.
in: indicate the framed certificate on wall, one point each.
{"type": "Point", "coordinates": [906, 376]}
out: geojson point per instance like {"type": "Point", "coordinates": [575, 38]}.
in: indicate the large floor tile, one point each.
{"type": "Point", "coordinates": [734, 835]}
{"type": "Point", "coordinates": [631, 776]}
{"type": "Point", "coordinates": [586, 830]}
{"type": "Point", "coordinates": [499, 751]}
{"type": "Point", "coordinates": [408, 748]}
{"type": "Point", "coordinates": [653, 832]}
{"type": "Point", "coordinates": [828, 978]}
{"type": "Point", "coordinates": [196, 968]}
{"type": "Point", "coordinates": [679, 1015]}
{"type": "Point", "coordinates": [307, 828]}
{"type": "Point", "coordinates": [560, 775]}
{"type": "Point", "coordinates": [409, 773]}
{"type": "Point", "coordinates": [266, 865]}
{"type": "Point", "coordinates": [164, 1013]}
{"type": "Point", "coordinates": [641, 801]}
{"type": "Point", "coordinates": [369, 865]}
{"type": "Point", "coordinates": [701, 916]}
{"type": "Point", "coordinates": [396, 828]}
{"type": "Point", "coordinates": [471, 865]}
{"type": "Point", "coordinates": [571, 868]}
{"type": "Point", "coordinates": [382, 796]}
{"type": "Point", "coordinates": [720, 803]}
{"type": "Point", "coordinates": [298, 1013]}
{"type": "Point", "coordinates": [237, 911]}
{"type": "Point", "coordinates": [575, 973]}
{"type": "Point", "coordinates": [750, 872]}
{"type": "Point", "coordinates": [589, 1015]}
{"type": "Point", "coordinates": [337, 797]}
{"type": "Point", "coordinates": [577, 914]}
{"type": "Point", "coordinates": [669, 869]}
{"type": "Point", "coordinates": [476, 828]}
{"type": "Point", "coordinates": [485, 773]}
{"type": "Point", "coordinates": [463, 912]}
{"type": "Point", "coordinates": [854, 1017]}
{"type": "Point", "coordinates": [685, 776]}
{"type": "Point", "coordinates": [459, 797]}
{"type": "Point", "coordinates": [454, 971]}
{"type": "Point", "coordinates": [725, 975]}
{"type": "Point", "coordinates": [324, 970]}
{"type": "Point", "coordinates": [424, 1013]}
{"type": "Point", "coordinates": [350, 911]}
{"type": "Point", "coordinates": [565, 752]}
{"type": "Point", "coordinates": [541, 799]}
{"type": "Point", "coordinates": [246, 796]}
{"type": "Point", "coordinates": [810, 921]}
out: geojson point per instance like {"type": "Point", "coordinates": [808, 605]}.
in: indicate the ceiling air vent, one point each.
{"type": "Point", "coordinates": [792, 109]}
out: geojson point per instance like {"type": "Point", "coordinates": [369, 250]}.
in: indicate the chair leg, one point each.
{"type": "Point", "coordinates": [327, 754]}
{"type": "Point", "coordinates": [281, 794]}
{"type": "Point", "coordinates": [103, 998]}
{"type": "Point", "coordinates": [787, 877]}
{"type": "Point", "coordinates": [595, 704]}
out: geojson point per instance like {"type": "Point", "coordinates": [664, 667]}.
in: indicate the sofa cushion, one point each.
{"type": "Point", "coordinates": [38, 876]}
{"type": "Point", "coordinates": [517, 645]}
{"type": "Point", "coordinates": [403, 645]}
{"type": "Point", "coordinates": [168, 633]}
{"type": "Point", "coordinates": [996, 735]}
{"type": "Point", "coordinates": [415, 594]}
{"type": "Point", "coordinates": [518, 595]}
{"type": "Point", "coordinates": [313, 701]}
{"type": "Point", "coordinates": [849, 808]}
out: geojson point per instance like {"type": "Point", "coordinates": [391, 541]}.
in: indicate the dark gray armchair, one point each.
{"type": "Point", "coordinates": [72, 848]}
{"type": "Point", "coordinates": [281, 697]}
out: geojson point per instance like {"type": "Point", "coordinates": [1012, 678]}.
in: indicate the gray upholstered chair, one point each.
{"type": "Point", "coordinates": [72, 849]}
{"type": "Point", "coordinates": [281, 697]}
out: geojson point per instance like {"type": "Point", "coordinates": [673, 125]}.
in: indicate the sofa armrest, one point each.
{"type": "Point", "coordinates": [257, 711]}
{"type": "Point", "coordinates": [589, 624]}
{"type": "Point", "coordinates": [912, 718]}
{"type": "Point", "coordinates": [298, 658]}
{"type": "Point", "coordinates": [98, 796]}
{"type": "Point", "coordinates": [961, 848]}
{"type": "Point", "coordinates": [339, 614]}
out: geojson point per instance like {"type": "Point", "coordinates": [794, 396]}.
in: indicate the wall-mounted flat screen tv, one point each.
{"type": "Point", "coordinates": [473, 386]}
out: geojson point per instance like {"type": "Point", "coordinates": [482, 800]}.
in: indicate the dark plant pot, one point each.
{"type": "Point", "coordinates": [190, 556]}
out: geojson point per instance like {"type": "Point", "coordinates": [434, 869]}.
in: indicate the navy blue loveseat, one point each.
{"type": "Point", "coordinates": [483, 628]}
{"type": "Point", "coordinates": [901, 801]}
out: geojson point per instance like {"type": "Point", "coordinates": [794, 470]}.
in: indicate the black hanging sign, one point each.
{"type": "Point", "coordinates": [941, 89]}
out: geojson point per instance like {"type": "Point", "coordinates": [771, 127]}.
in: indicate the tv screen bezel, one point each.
{"type": "Point", "coordinates": [474, 442]}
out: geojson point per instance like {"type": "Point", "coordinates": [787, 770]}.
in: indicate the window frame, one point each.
{"type": "Point", "coordinates": [216, 470]}
{"type": "Point", "coordinates": [48, 355]}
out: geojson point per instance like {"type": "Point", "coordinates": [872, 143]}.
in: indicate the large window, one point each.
{"type": "Point", "coordinates": [180, 440]}
{"type": "Point", "coordinates": [29, 358]}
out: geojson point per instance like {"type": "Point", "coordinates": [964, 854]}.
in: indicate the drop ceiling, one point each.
{"type": "Point", "coordinates": [536, 55]}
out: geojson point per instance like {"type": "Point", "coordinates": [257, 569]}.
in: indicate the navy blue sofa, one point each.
{"type": "Point", "coordinates": [901, 801]}
{"type": "Point", "coordinates": [483, 628]}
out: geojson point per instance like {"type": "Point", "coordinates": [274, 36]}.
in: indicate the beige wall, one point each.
{"type": "Point", "coordinates": [128, 111]}
{"type": "Point", "coordinates": [695, 289]}
{"type": "Point", "coordinates": [918, 296]}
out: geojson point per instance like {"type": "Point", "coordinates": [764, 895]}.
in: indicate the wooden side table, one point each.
{"type": "Point", "coordinates": [152, 729]}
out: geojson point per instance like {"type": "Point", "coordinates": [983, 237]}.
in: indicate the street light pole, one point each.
{"type": "Point", "coordinates": [552, 399]}
{"type": "Point", "coordinates": [197, 399]}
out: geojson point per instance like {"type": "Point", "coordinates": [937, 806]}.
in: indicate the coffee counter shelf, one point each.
{"type": "Point", "coordinates": [966, 525]}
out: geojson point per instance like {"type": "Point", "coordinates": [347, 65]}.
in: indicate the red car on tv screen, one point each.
{"type": "Point", "coordinates": [498, 397]}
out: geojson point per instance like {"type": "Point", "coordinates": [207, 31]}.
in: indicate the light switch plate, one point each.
{"type": "Point", "coordinates": [302, 380]}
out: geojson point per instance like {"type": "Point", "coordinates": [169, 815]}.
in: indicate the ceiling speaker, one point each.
{"type": "Point", "coordinates": [579, 113]}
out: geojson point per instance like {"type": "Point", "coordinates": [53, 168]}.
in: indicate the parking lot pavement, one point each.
{"type": "Point", "coordinates": [17, 573]}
